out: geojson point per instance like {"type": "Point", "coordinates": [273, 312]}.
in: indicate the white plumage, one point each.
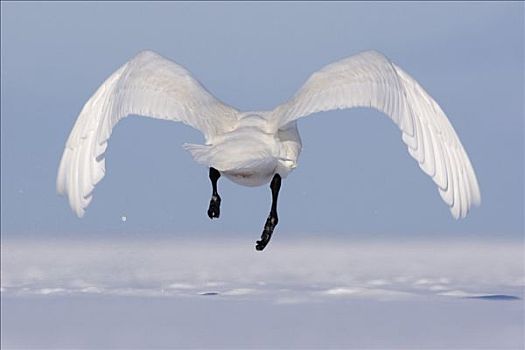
{"type": "Point", "coordinates": [250, 147]}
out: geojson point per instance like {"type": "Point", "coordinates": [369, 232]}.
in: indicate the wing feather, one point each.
{"type": "Point", "coordinates": [147, 85]}
{"type": "Point", "coordinates": [369, 79]}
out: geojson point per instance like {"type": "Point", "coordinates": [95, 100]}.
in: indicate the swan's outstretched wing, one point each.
{"type": "Point", "coordinates": [369, 79]}
{"type": "Point", "coordinates": [147, 85]}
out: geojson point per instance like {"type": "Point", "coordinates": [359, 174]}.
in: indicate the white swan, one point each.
{"type": "Point", "coordinates": [251, 148]}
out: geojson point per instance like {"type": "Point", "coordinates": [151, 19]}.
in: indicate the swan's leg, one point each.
{"type": "Point", "coordinates": [272, 220]}
{"type": "Point", "coordinates": [215, 202]}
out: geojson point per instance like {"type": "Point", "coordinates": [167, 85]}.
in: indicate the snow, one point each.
{"type": "Point", "coordinates": [169, 292]}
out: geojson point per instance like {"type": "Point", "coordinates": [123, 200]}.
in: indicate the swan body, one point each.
{"type": "Point", "coordinates": [253, 148]}
{"type": "Point", "coordinates": [248, 155]}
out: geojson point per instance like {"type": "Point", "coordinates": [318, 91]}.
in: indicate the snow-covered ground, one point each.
{"type": "Point", "coordinates": [313, 292]}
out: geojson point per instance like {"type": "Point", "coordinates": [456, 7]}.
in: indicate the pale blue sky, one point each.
{"type": "Point", "coordinates": [355, 175]}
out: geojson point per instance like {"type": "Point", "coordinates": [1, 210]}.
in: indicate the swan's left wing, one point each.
{"type": "Point", "coordinates": [369, 79]}
{"type": "Point", "coordinates": [147, 85]}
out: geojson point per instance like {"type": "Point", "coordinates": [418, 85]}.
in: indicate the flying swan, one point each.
{"type": "Point", "coordinates": [253, 148]}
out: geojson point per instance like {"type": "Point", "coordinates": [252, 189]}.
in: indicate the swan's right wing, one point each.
{"type": "Point", "coordinates": [369, 79]}
{"type": "Point", "coordinates": [147, 85]}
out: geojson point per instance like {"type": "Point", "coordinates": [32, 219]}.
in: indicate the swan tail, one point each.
{"type": "Point", "coordinates": [200, 153]}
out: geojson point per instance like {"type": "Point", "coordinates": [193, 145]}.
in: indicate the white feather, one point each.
{"type": "Point", "coordinates": [426, 131]}
{"type": "Point", "coordinates": [147, 85]}
{"type": "Point", "coordinates": [250, 147]}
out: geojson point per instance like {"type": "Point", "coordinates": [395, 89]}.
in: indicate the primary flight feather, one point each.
{"type": "Point", "coordinates": [252, 148]}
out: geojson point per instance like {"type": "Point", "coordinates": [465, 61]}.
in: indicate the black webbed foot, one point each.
{"type": "Point", "coordinates": [215, 207]}
{"type": "Point", "coordinates": [269, 226]}
{"type": "Point", "coordinates": [272, 220]}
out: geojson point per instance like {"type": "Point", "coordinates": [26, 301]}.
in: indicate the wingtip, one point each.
{"type": "Point", "coordinates": [477, 200]}
{"type": "Point", "coordinates": [456, 214]}
{"type": "Point", "coordinates": [80, 212]}
{"type": "Point", "coordinates": [477, 196]}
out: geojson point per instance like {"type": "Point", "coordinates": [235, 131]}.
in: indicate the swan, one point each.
{"type": "Point", "coordinates": [254, 148]}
